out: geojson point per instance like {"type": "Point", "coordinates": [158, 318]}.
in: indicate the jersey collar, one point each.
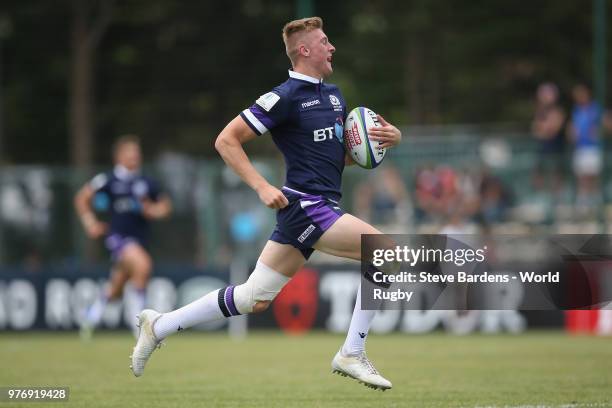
{"type": "Point", "coordinates": [297, 75]}
{"type": "Point", "coordinates": [123, 173]}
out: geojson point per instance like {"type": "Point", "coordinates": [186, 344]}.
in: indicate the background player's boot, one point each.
{"type": "Point", "coordinates": [361, 369]}
{"type": "Point", "coordinates": [146, 343]}
{"type": "Point", "coordinates": [86, 331]}
{"type": "Point", "coordinates": [91, 318]}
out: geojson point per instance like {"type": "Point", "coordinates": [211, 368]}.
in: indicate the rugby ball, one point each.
{"type": "Point", "coordinates": [365, 152]}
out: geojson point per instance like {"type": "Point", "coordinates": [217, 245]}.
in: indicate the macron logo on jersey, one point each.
{"type": "Point", "coordinates": [267, 101]}
{"type": "Point", "coordinates": [311, 103]}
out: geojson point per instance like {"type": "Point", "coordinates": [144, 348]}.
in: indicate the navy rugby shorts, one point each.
{"type": "Point", "coordinates": [304, 220]}
{"type": "Point", "coordinates": [116, 243]}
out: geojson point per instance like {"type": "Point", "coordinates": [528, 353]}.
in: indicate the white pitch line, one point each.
{"type": "Point", "coordinates": [586, 405]}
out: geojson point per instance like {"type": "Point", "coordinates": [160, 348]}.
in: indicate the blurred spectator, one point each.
{"type": "Point", "coordinates": [458, 198]}
{"type": "Point", "coordinates": [383, 199]}
{"type": "Point", "coordinates": [547, 128]}
{"type": "Point", "coordinates": [426, 185]}
{"type": "Point", "coordinates": [436, 188]}
{"type": "Point", "coordinates": [469, 189]}
{"type": "Point", "coordinates": [459, 216]}
{"type": "Point", "coordinates": [446, 195]}
{"type": "Point", "coordinates": [495, 199]}
{"type": "Point", "coordinates": [607, 121]}
{"type": "Point", "coordinates": [449, 192]}
{"type": "Point", "coordinates": [585, 133]}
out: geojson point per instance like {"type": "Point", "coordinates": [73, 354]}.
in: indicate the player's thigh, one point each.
{"type": "Point", "coordinates": [282, 258]}
{"type": "Point", "coordinates": [343, 238]}
{"type": "Point", "coordinates": [136, 259]}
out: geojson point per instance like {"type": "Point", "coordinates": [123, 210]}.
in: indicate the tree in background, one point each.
{"type": "Point", "coordinates": [176, 71]}
{"type": "Point", "coordinates": [91, 19]}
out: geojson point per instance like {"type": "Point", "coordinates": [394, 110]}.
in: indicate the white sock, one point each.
{"type": "Point", "coordinates": [135, 301]}
{"type": "Point", "coordinates": [205, 309]}
{"type": "Point", "coordinates": [96, 310]}
{"type": "Point", "coordinates": [358, 330]}
{"type": "Point", "coordinates": [221, 303]}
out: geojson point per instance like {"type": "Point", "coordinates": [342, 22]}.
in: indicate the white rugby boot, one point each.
{"type": "Point", "coordinates": [146, 343]}
{"type": "Point", "coordinates": [361, 369]}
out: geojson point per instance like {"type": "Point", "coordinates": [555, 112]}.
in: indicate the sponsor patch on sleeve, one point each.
{"type": "Point", "coordinates": [267, 101]}
{"type": "Point", "coordinates": [98, 182]}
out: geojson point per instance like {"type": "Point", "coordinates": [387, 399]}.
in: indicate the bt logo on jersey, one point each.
{"type": "Point", "coordinates": [126, 205]}
{"type": "Point", "coordinates": [321, 135]}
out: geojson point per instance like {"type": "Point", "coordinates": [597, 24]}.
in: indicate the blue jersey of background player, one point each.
{"type": "Point", "coordinates": [122, 193]}
{"type": "Point", "coordinates": [132, 200]}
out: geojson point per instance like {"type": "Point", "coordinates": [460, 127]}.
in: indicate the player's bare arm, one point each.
{"type": "Point", "coordinates": [229, 145]}
{"type": "Point", "coordinates": [157, 210]}
{"type": "Point", "coordinates": [82, 203]}
{"type": "Point", "coordinates": [387, 133]}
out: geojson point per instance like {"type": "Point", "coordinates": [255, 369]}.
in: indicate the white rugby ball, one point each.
{"type": "Point", "coordinates": [365, 152]}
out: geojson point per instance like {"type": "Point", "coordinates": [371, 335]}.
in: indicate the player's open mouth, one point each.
{"type": "Point", "coordinates": [329, 59]}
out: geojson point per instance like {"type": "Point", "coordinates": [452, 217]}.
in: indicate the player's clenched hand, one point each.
{"type": "Point", "coordinates": [150, 209]}
{"type": "Point", "coordinates": [272, 197]}
{"type": "Point", "coordinates": [96, 229]}
{"type": "Point", "coordinates": [388, 134]}
{"type": "Point", "coordinates": [93, 228]}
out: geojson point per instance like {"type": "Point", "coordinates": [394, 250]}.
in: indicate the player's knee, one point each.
{"type": "Point", "coordinates": [256, 294]}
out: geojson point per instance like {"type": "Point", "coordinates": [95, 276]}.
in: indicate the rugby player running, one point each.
{"type": "Point", "coordinates": [305, 117]}
{"type": "Point", "coordinates": [132, 199]}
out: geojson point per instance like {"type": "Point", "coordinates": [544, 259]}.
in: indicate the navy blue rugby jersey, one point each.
{"type": "Point", "coordinates": [121, 192]}
{"type": "Point", "coordinates": [306, 119]}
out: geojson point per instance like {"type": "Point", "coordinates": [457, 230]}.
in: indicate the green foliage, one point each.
{"type": "Point", "coordinates": [177, 72]}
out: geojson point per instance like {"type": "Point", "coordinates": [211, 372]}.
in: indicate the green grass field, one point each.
{"type": "Point", "coordinates": [271, 370]}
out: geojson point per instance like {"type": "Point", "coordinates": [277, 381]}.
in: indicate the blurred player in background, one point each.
{"type": "Point", "coordinates": [133, 200]}
{"type": "Point", "coordinates": [305, 117]}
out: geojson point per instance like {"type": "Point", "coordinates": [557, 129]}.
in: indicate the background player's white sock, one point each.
{"type": "Point", "coordinates": [135, 301]}
{"type": "Point", "coordinates": [94, 313]}
{"type": "Point", "coordinates": [140, 299]}
{"type": "Point", "coordinates": [203, 310]}
{"type": "Point", "coordinates": [358, 330]}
